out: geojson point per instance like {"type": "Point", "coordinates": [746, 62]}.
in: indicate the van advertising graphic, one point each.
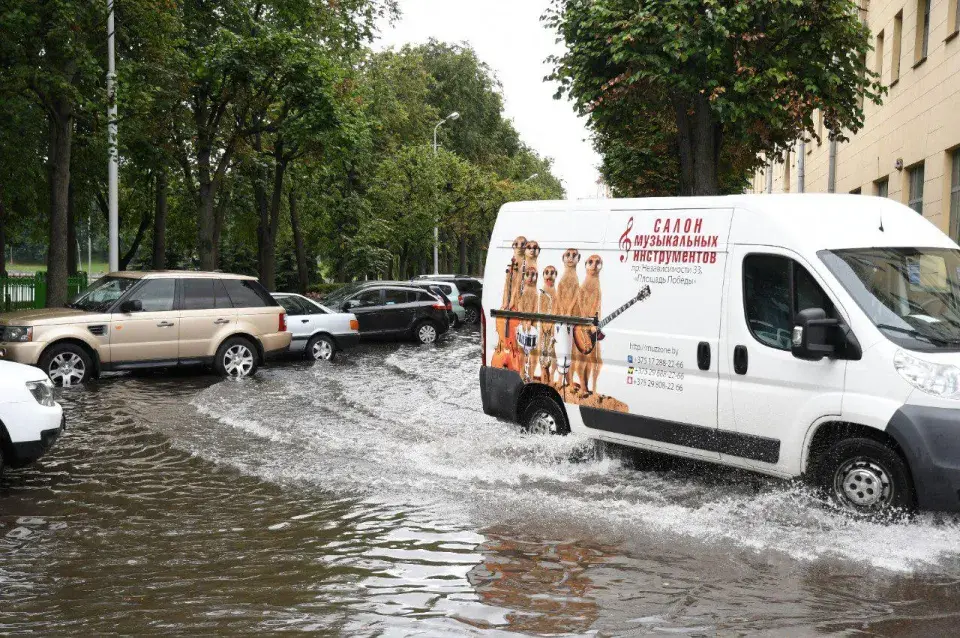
{"type": "Point", "coordinates": [611, 352]}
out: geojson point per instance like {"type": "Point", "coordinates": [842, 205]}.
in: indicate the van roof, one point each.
{"type": "Point", "coordinates": [180, 274]}
{"type": "Point", "coordinates": [800, 221]}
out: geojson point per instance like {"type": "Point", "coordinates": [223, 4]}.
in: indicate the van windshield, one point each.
{"type": "Point", "coordinates": [910, 294]}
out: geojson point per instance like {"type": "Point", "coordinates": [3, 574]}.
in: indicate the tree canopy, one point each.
{"type": "Point", "coordinates": [258, 136]}
{"type": "Point", "coordinates": [684, 95]}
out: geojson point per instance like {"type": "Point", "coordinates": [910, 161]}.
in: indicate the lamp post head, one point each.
{"type": "Point", "coordinates": [454, 116]}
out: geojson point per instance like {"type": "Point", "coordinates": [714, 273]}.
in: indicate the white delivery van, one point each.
{"type": "Point", "coordinates": [793, 335]}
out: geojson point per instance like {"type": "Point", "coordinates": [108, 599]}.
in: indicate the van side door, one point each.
{"type": "Point", "coordinates": [769, 398]}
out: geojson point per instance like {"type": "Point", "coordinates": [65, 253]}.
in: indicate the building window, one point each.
{"type": "Point", "coordinates": [955, 195]}
{"type": "Point", "coordinates": [915, 175]}
{"type": "Point", "coordinates": [895, 52]}
{"type": "Point", "coordinates": [819, 127]}
{"type": "Point", "coordinates": [923, 31]}
{"type": "Point", "coordinates": [878, 67]}
{"type": "Point", "coordinates": [856, 191]}
{"type": "Point", "coordinates": [882, 187]}
{"type": "Point", "coordinates": [953, 17]}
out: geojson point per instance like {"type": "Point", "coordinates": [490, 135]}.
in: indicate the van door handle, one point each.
{"type": "Point", "coordinates": [740, 360]}
{"type": "Point", "coordinates": [703, 355]}
{"type": "Point", "coordinates": [304, 321]}
{"type": "Point", "coordinates": [165, 324]}
{"type": "Point", "coordinates": [220, 322]}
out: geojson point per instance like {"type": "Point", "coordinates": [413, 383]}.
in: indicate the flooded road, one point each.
{"type": "Point", "coordinates": [373, 497]}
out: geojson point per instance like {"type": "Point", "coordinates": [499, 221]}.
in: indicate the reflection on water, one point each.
{"type": "Point", "coordinates": [373, 497]}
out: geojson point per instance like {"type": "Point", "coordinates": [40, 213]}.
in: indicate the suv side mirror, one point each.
{"type": "Point", "coordinates": [131, 305]}
{"type": "Point", "coordinates": [814, 335]}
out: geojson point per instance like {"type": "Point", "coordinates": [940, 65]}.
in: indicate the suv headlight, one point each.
{"type": "Point", "coordinates": [938, 379]}
{"type": "Point", "coordinates": [16, 333]}
{"type": "Point", "coordinates": [42, 391]}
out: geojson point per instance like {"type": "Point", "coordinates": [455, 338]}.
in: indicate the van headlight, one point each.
{"type": "Point", "coordinates": [937, 379]}
{"type": "Point", "coordinates": [42, 391]}
{"type": "Point", "coordinates": [16, 334]}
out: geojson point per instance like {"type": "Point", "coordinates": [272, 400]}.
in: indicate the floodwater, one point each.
{"type": "Point", "coordinates": [372, 497]}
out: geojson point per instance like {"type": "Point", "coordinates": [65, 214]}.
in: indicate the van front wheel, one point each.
{"type": "Point", "coordinates": [866, 477]}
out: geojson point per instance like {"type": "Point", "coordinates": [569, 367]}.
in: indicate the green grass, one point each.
{"type": "Point", "coordinates": [97, 267]}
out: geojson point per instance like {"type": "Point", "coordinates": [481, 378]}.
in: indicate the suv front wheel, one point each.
{"type": "Point", "coordinates": [236, 358]}
{"type": "Point", "coordinates": [67, 364]}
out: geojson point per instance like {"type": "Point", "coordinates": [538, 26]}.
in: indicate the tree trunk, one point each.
{"type": "Point", "coordinates": [145, 221]}
{"type": "Point", "coordinates": [302, 274]}
{"type": "Point", "coordinates": [159, 260]}
{"type": "Point", "coordinates": [60, 121]}
{"type": "Point", "coordinates": [464, 266]}
{"type": "Point", "coordinates": [269, 220]}
{"type": "Point", "coordinates": [206, 224]}
{"type": "Point", "coordinates": [72, 248]}
{"type": "Point", "coordinates": [698, 141]}
{"type": "Point", "coordinates": [3, 241]}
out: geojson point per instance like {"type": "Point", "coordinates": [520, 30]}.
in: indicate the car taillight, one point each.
{"type": "Point", "coordinates": [439, 306]}
{"type": "Point", "coordinates": [449, 306]}
{"type": "Point", "coordinates": [354, 324]}
{"type": "Point", "coordinates": [483, 338]}
{"type": "Point", "coordinates": [283, 322]}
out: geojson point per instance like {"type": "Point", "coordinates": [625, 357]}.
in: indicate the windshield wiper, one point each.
{"type": "Point", "coordinates": [914, 333]}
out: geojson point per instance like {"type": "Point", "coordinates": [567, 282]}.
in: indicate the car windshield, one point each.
{"type": "Point", "coordinates": [102, 294]}
{"type": "Point", "coordinates": [910, 294]}
{"type": "Point", "coordinates": [336, 298]}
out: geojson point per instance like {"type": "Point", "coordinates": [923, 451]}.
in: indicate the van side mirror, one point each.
{"type": "Point", "coordinates": [814, 335]}
{"type": "Point", "coordinates": [131, 305]}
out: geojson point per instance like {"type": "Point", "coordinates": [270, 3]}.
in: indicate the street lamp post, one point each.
{"type": "Point", "coordinates": [532, 177]}
{"type": "Point", "coordinates": [113, 151]}
{"type": "Point", "coordinates": [436, 226]}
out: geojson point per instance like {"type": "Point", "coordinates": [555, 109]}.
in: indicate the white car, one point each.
{"type": "Point", "coordinates": [318, 332]}
{"type": "Point", "coordinates": [30, 419]}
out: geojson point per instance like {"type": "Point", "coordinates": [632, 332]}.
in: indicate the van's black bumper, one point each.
{"type": "Point", "coordinates": [499, 392]}
{"type": "Point", "coordinates": [930, 439]}
{"type": "Point", "coordinates": [30, 451]}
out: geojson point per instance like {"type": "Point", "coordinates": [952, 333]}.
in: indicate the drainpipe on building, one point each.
{"type": "Point", "coordinates": [832, 176]}
{"type": "Point", "coordinates": [770, 177]}
{"type": "Point", "coordinates": [801, 166]}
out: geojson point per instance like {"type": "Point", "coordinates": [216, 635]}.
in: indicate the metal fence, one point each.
{"type": "Point", "coordinates": [25, 292]}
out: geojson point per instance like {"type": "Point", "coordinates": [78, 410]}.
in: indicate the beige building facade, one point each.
{"type": "Point", "coordinates": [909, 148]}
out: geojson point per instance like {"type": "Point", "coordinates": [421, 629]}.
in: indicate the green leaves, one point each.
{"type": "Point", "coordinates": [763, 65]}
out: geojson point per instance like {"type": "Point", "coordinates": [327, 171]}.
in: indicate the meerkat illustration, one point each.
{"type": "Point", "coordinates": [514, 273]}
{"type": "Point", "coordinates": [569, 284]}
{"type": "Point", "coordinates": [528, 334]}
{"type": "Point", "coordinates": [588, 301]}
{"type": "Point", "coordinates": [565, 303]}
{"type": "Point", "coordinates": [530, 255]}
{"type": "Point", "coordinates": [548, 296]}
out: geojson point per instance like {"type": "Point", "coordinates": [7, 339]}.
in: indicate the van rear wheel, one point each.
{"type": "Point", "coordinates": [544, 416]}
{"type": "Point", "coordinates": [866, 477]}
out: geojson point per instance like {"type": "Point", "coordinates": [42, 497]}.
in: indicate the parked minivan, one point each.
{"type": "Point", "coordinates": [795, 335]}
{"type": "Point", "coordinates": [136, 320]}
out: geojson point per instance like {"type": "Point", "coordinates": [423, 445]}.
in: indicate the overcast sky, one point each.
{"type": "Point", "coordinates": [508, 35]}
